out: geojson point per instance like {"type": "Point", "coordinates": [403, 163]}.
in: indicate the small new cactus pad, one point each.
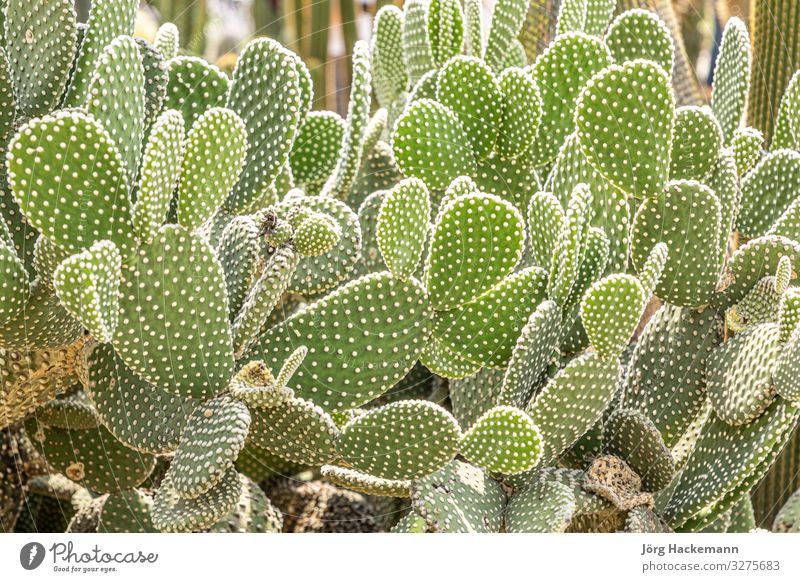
{"type": "Point", "coordinates": [531, 356]}
{"type": "Point", "coordinates": [159, 174]}
{"type": "Point", "coordinates": [211, 441]}
{"type": "Point", "coordinates": [378, 326]}
{"type": "Point", "coordinates": [402, 226]}
{"type": "Point", "coordinates": [416, 45]}
{"type": "Point", "coordinates": [459, 498]}
{"type": "Point", "coordinates": [640, 34]}
{"type": "Point", "coordinates": [573, 401]}
{"type": "Point", "coordinates": [316, 149]}
{"type": "Point", "coordinates": [624, 118]}
{"type": "Point", "coordinates": [571, 16]}
{"type": "Point", "coordinates": [264, 68]}
{"type": "Point", "coordinates": [194, 87]}
{"type": "Point", "coordinates": [541, 507]}
{"type": "Point", "coordinates": [167, 40]}
{"type": "Point", "coordinates": [686, 216]}
{"type": "Point", "coordinates": [255, 385]}
{"type": "Point", "coordinates": [653, 267]}
{"type": "Point", "coordinates": [746, 145]}
{"type": "Point", "coordinates": [364, 483]}
{"type": "Point", "coordinates": [95, 206]}
{"type": "Point", "coordinates": [630, 435]}
{"type": "Point", "coordinates": [610, 312]}
{"type": "Point", "coordinates": [182, 343]}
{"type": "Point", "coordinates": [503, 440]}
{"type": "Point", "coordinates": [87, 284]}
{"type": "Point", "coordinates": [484, 331]}
{"type": "Point", "coordinates": [727, 461]}
{"type": "Point", "coordinates": [469, 89]}
{"type": "Point", "coordinates": [91, 456]}
{"type": "Point", "coordinates": [138, 414]}
{"type": "Point", "coordinates": [214, 153]}
{"type": "Point", "coordinates": [403, 440]}
{"type": "Point", "coordinates": [731, 77]}
{"type": "Point", "coordinates": [665, 378]}
{"type": "Point", "coordinates": [108, 19]}
{"type": "Point", "coordinates": [117, 100]}
{"type": "Point", "coordinates": [389, 76]}
{"type": "Point", "coordinates": [545, 221]}
{"type": "Point", "coordinates": [560, 72]}
{"type": "Point", "coordinates": [239, 253]}
{"type": "Point", "coordinates": [40, 38]}
{"type": "Point", "coordinates": [767, 191]}
{"type": "Point", "coordinates": [696, 143]}
{"type": "Point", "coordinates": [172, 513]}
{"type": "Point", "coordinates": [156, 79]}
{"type": "Point", "coordinates": [739, 374]}
{"type": "Point", "coordinates": [477, 240]}
{"type": "Point", "coordinates": [522, 112]}
{"type": "Point", "coordinates": [295, 430]}
{"type": "Point", "coordinates": [431, 143]}
{"type": "Point", "coordinates": [445, 29]}
{"type": "Point", "coordinates": [507, 19]}
{"type": "Point", "coordinates": [570, 248]}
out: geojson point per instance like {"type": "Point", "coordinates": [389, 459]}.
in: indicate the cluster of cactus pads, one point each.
{"type": "Point", "coordinates": [223, 311]}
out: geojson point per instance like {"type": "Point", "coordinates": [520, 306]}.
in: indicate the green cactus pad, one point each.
{"type": "Point", "coordinates": [264, 68]}
{"type": "Point", "coordinates": [364, 483]}
{"type": "Point", "coordinates": [167, 40]}
{"type": "Point", "coordinates": [389, 75]}
{"type": "Point", "coordinates": [473, 34]}
{"type": "Point", "coordinates": [686, 216]}
{"type": "Point", "coordinates": [371, 260]}
{"type": "Point", "coordinates": [40, 38]}
{"type": "Point", "coordinates": [87, 284]}
{"type": "Point", "coordinates": [746, 145]}
{"type": "Point", "coordinates": [767, 191]}
{"type": "Point", "coordinates": [665, 379]}
{"type": "Point", "coordinates": [159, 174]}
{"type": "Point", "coordinates": [512, 179]}
{"type": "Point", "coordinates": [377, 347]}
{"type": "Point", "coordinates": [469, 89]}
{"type": "Point", "coordinates": [485, 330]}
{"type": "Point", "coordinates": [444, 362]}
{"type": "Point", "coordinates": [787, 125]}
{"type": "Point", "coordinates": [92, 457]}
{"type": "Point", "coordinates": [416, 45]}
{"type": "Point", "coordinates": [503, 440]}
{"type": "Point", "coordinates": [786, 376]}
{"type": "Point", "coordinates": [211, 441]}
{"type": "Point", "coordinates": [724, 182]}
{"type": "Point", "coordinates": [640, 34]}
{"type": "Point", "coordinates": [410, 523]}
{"type": "Point", "coordinates": [431, 143]}
{"type": "Point", "coordinates": [403, 440]}
{"type": "Point", "coordinates": [445, 29]}
{"type": "Point", "coordinates": [507, 19]}
{"type": "Point", "coordinates": [466, 261]}
{"type": "Point", "coordinates": [296, 430]}
{"type": "Point", "coordinates": [522, 112]}
{"type": "Point", "coordinates": [156, 79]}
{"type": "Point", "coordinates": [116, 99]}
{"type": "Point", "coordinates": [127, 512]}
{"type": "Point", "coordinates": [185, 351]}
{"type": "Point", "coordinates": [630, 435]}
{"type": "Point", "coordinates": [13, 284]}
{"type": "Point", "coordinates": [42, 323]}
{"type": "Point", "coordinates": [739, 374]}
{"type": "Point", "coordinates": [239, 253]}
{"type": "Point", "coordinates": [625, 117]}
{"type": "Point", "coordinates": [560, 72]}
{"type": "Point", "coordinates": [70, 412]}
{"type": "Point", "coordinates": [253, 513]}
{"type": "Point", "coordinates": [593, 265]}
{"type": "Point", "coordinates": [316, 149]}
{"type": "Point", "coordinates": [545, 222]}
{"type": "Point", "coordinates": [610, 312]}
{"type": "Point", "coordinates": [542, 507]}
{"type": "Point", "coordinates": [571, 16]}
{"type": "Point", "coordinates": [137, 413]}
{"type": "Point", "coordinates": [108, 19]}
{"type": "Point", "coordinates": [788, 518]}
{"type": "Point", "coordinates": [194, 87]}
{"type": "Point", "coordinates": [531, 356]}
{"type": "Point", "coordinates": [402, 226]}
{"type": "Point", "coordinates": [570, 247]}
{"type": "Point", "coordinates": [731, 77]}
{"type": "Point", "coordinates": [760, 305]}
{"type": "Point", "coordinates": [459, 498]}
{"type": "Point", "coordinates": [96, 205]}
{"type": "Point", "coordinates": [727, 461]}
{"type": "Point", "coordinates": [573, 401]}
{"type": "Point", "coordinates": [172, 513]}
{"type": "Point", "coordinates": [696, 143]}
{"type": "Point", "coordinates": [474, 394]}
{"type": "Point", "coordinates": [215, 151]}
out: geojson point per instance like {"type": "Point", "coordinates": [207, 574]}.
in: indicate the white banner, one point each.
{"type": "Point", "coordinates": [410, 558]}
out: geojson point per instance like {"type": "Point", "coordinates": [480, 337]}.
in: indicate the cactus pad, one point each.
{"type": "Point", "coordinates": [610, 312]}
{"type": "Point", "coordinates": [507, 19]}
{"type": "Point", "coordinates": [640, 34]}
{"type": "Point", "coordinates": [13, 283]}
{"type": "Point", "coordinates": [695, 144]}
{"type": "Point", "coordinates": [403, 225]}
{"type": "Point", "coordinates": [503, 440]}
{"type": "Point", "coordinates": [542, 507]}
{"type": "Point", "coordinates": [731, 77]}
{"type": "Point", "coordinates": [545, 221]}
{"type": "Point", "coordinates": [316, 149]}
{"type": "Point", "coordinates": [767, 191]}
{"type": "Point", "coordinates": [746, 145]}
{"type": "Point", "coordinates": [522, 112]}
{"type": "Point", "coordinates": [194, 87]}
{"type": "Point", "coordinates": [364, 483]}
{"type": "Point", "coordinates": [570, 245]}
